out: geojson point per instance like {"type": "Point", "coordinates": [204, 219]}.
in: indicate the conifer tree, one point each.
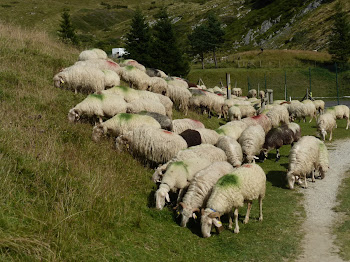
{"type": "Point", "coordinates": [215, 33]}
{"type": "Point", "coordinates": [67, 31]}
{"type": "Point", "coordinates": [198, 42]}
{"type": "Point", "coordinates": [166, 53]}
{"type": "Point", "coordinates": [139, 39]}
{"type": "Point", "coordinates": [339, 41]}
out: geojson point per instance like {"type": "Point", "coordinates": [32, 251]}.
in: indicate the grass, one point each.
{"type": "Point", "coordinates": [342, 229]}
{"type": "Point", "coordinates": [66, 198]}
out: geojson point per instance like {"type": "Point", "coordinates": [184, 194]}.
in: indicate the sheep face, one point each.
{"type": "Point", "coordinates": [187, 212]}
{"type": "Point", "coordinates": [97, 133]}
{"type": "Point", "coordinates": [323, 134]}
{"type": "Point", "coordinates": [161, 196]}
{"type": "Point", "coordinates": [73, 115]}
{"type": "Point", "coordinates": [290, 179]}
{"type": "Point", "coordinates": [121, 144]}
{"type": "Point", "coordinates": [209, 219]}
{"type": "Point", "coordinates": [58, 81]}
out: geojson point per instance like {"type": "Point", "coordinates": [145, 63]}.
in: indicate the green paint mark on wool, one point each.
{"type": "Point", "coordinates": [125, 116]}
{"type": "Point", "coordinates": [123, 88]}
{"type": "Point", "coordinates": [97, 96]}
{"type": "Point", "coordinates": [229, 180]}
{"type": "Point", "coordinates": [220, 131]}
{"type": "Point", "coordinates": [180, 164]}
{"type": "Point", "coordinates": [129, 67]}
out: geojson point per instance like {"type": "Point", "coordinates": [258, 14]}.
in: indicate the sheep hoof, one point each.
{"type": "Point", "coordinates": [236, 231]}
{"type": "Point", "coordinates": [245, 221]}
{"type": "Point", "coordinates": [277, 159]}
{"type": "Point", "coordinates": [261, 218]}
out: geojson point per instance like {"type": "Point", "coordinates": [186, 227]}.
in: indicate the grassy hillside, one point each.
{"type": "Point", "coordinates": [65, 198]}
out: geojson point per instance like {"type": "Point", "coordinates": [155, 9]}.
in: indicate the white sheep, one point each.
{"type": "Point", "coordinates": [232, 129]}
{"type": "Point", "coordinates": [158, 85]}
{"type": "Point", "coordinates": [151, 144]}
{"type": "Point", "coordinates": [234, 113]}
{"type": "Point", "coordinates": [122, 123]}
{"type": "Point", "coordinates": [319, 104]}
{"type": "Point", "coordinates": [251, 141]}
{"type": "Point", "coordinates": [136, 78]}
{"type": "Point", "coordinates": [325, 124]}
{"type": "Point", "coordinates": [178, 176]}
{"type": "Point", "coordinates": [306, 156]}
{"type": "Point", "coordinates": [262, 120]}
{"type": "Point", "coordinates": [262, 94]}
{"type": "Point", "coordinates": [208, 136]}
{"type": "Point", "coordinates": [310, 109]}
{"type": "Point", "coordinates": [144, 104]}
{"type": "Point", "coordinates": [98, 105]}
{"type": "Point", "coordinates": [252, 93]}
{"type": "Point", "coordinates": [82, 78]}
{"type": "Point", "coordinates": [237, 91]}
{"type": "Point", "coordinates": [243, 185]}
{"type": "Point", "coordinates": [340, 112]}
{"type": "Point", "coordinates": [204, 151]}
{"type": "Point", "coordinates": [94, 53]}
{"type": "Point", "coordinates": [180, 125]}
{"type": "Point", "coordinates": [177, 81]}
{"type": "Point", "coordinates": [180, 96]}
{"type": "Point", "coordinates": [134, 63]}
{"type": "Point", "coordinates": [200, 188]}
{"type": "Point", "coordinates": [101, 64]}
{"type": "Point", "coordinates": [232, 149]}
{"type": "Point", "coordinates": [247, 110]}
{"type": "Point", "coordinates": [278, 115]}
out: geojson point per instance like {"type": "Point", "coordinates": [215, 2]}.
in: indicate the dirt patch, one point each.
{"type": "Point", "coordinates": [320, 198]}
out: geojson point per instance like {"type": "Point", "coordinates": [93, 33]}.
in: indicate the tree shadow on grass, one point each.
{"type": "Point", "coordinates": [277, 178]}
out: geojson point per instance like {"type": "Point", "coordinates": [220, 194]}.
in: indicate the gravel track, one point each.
{"type": "Point", "coordinates": [320, 198]}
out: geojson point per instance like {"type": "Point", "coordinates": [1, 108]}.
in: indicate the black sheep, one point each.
{"type": "Point", "coordinates": [192, 137]}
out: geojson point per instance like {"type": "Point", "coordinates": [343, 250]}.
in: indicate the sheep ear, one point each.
{"type": "Point", "coordinates": [167, 197]}
{"type": "Point", "coordinates": [217, 222]}
{"type": "Point", "coordinates": [194, 216]}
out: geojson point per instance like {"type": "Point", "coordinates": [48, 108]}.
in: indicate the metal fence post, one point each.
{"type": "Point", "coordinates": [336, 79]}
{"type": "Point", "coordinates": [265, 83]}
{"type": "Point", "coordinates": [310, 79]}
{"type": "Point", "coordinates": [228, 82]}
{"type": "Point", "coordinates": [285, 85]}
{"type": "Point", "coordinates": [248, 83]}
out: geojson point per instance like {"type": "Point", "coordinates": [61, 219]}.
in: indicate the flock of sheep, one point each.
{"type": "Point", "coordinates": [212, 170]}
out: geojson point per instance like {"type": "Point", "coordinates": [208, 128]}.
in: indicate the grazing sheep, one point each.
{"type": "Point", "coordinates": [200, 188]}
{"type": "Point", "coordinates": [177, 81]}
{"type": "Point", "coordinates": [247, 110]}
{"type": "Point", "coordinates": [180, 96]}
{"type": "Point", "coordinates": [208, 136]}
{"type": "Point", "coordinates": [94, 53]}
{"type": "Point", "coordinates": [296, 110]}
{"type": "Point", "coordinates": [98, 105]}
{"type": "Point", "coordinates": [244, 184]}
{"type": "Point", "coordinates": [237, 91]}
{"type": "Point", "coordinates": [306, 156]}
{"type": "Point", "coordinates": [232, 149]}
{"type": "Point", "coordinates": [81, 78]}
{"type": "Point", "coordinates": [158, 85]}
{"type": "Point", "coordinates": [251, 141]}
{"type": "Point", "coordinates": [340, 112]}
{"type": "Point", "coordinates": [180, 125]}
{"type": "Point", "coordinates": [262, 120]}
{"type": "Point", "coordinates": [151, 72]}
{"type": "Point", "coordinates": [111, 78]}
{"type": "Point", "coordinates": [205, 151]}
{"type": "Point", "coordinates": [234, 113]}
{"type": "Point", "coordinates": [167, 103]}
{"type": "Point", "coordinates": [279, 136]}
{"type": "Point", "coordinates": [262, 94]}
{"type": "Point", "coordinates": [164, 121]}
{"type": "Point", "coordinates": [310, 109]}
{"type": "Point", "coordinates": [232, 129]}
{"type": "Point", "coordinates": [192, 137]}
{"type": "Point", "coordinates": [214, 103]}
{"type": "Point", "coordinates": [151, 144]}
{"type": "Point", "coordinates": [326, 123]}
{"type": "Point", "coordinates": [134, 63]}
{"type": "Point", "coordinates": [319, 104]}
{"type": "Point", "coordinates": [101, 64]}
{"type": "Point", "coordinates": [122, 123]}
{"type": "Point", "coordinates": [143, 104]}
{"type": "Point", "coordinates": [278, 115]}
{"type": "Point", "coordinates": [178, 176]}
{"type": "Point", "coordinates": [136, 78]}
{"type": "Point", "coordinates": [252, 93]}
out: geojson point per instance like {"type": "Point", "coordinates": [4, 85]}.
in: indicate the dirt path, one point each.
{"type": "Point", "coordinates": [320, 198]}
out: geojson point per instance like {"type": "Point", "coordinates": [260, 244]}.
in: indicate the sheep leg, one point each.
{"type": "Point", "coordinates": [236, 230]}
{"type": "Point", "coordinates": [230, 222]}
{"type": "Point", "coordinates": [260, 208]}
{"type": "Point", "coordinates": [246, 219]}
{"type": "Point", "coordinates": [330, 135]}
{"type": "Point", "coordinates": [278, 156]}
{"type": "Point", "coordinates": [313, 176]}
{"type": "Point", "coordinates": [347, 124]}
{"type": "Point", "coordinates": [305, 182]}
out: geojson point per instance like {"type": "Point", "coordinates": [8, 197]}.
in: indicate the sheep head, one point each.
{"type": "Point", "coordinates": [97, 133]}
{"type": "Point", "coordinates": [161, 195]}
{"type": "Point", "coordinates": [187, 212]}
{"type": "Point", "coordinates": [73, 115]}
{"type": "Point", "coordinates": [58, 81]}
{"type": "Point", "coordinates": [290, 179]}
{"type": "Point", "coordinates": [209, 218]}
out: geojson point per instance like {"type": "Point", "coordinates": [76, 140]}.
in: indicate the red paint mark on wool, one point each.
{"type": "Point", "coordinates": [219, 94]}
{"type": "Point", "coordinates": [284, 103]}
{"type": "Point", "coordinates": [167, 132]}
{"type": "Point", "coordinates": [113, 64]}
{"type": "Point", "coordinates": [248, 165]}
{"type": "Point", "coordinates": [197, 121]}
{"type": "Point", "coordinates": [257, 117]}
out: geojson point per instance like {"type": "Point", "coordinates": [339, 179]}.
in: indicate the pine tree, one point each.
{"type": "Point", "coordinates": [139, 39]}
{"type": "Point", "coordinates": [67, 31]}
{"type": "Point", "coordinates": [198, 42]}
{"type": "Point", "coordinates": [216, 34]}
{"type": "Point", "coordinates": [166, 53]}
{"type": "Point", "coordinates": [339, 41]}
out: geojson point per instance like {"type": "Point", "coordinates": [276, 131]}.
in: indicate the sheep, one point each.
{"type": "Point", "coordinates": [200, 188]}
{"type": "Point", "coordinates": [94, 53]}
{"type": "Point", "coordinates": [214, 103]}
{"type": "Point", "coordinates": [134, 63]}
{"type": "Point", "coordinates": [205, 151]}
{"type": "Point", "coordinates": [192, 137]}
{"type": "Point", "coordinates": [252, 93]}
{"type": "Point", "coordinates": [326, 123]}
{"type": "Point", "coordinates": [237, 91]}
{"type": "Point", "coordinates": [177, 81]}
{"type": "Point", "coordinates": [306, 156]}
{"type": "Point", "coordinates": [180, 96]}
{"type": "Point", "coordinates": [319, 104]}
{"type": "Point", "coordinates": [310, 109]}
{"type": "Point", "coordinates": [111, 78]}
{"type": "Point", "coordinates": [99, 105]}
{"type": "Point", "coordinates": [261, 120]}
{"type": "Point", "coordinates": [232, 129]}
{"type": "Point", "coordinates": [180, 125]}
{"type": "Point", "coordinates": [122, 123]}
{"type": "Point", "coordinates": [82, 78]}
{"type": "Point", "coordinates": [101, 64]}
{"type": "Point", "coordinates": [208, 136]}
{"type": "Point", "coordinates": [296, 110]}
{"type": "Point", "coordinates": [340, 112]}
{"type": "Point", "coordinates": [151, 72]}
{"type": "Point", "coordinates": [136, 78]}
{"type": "Point", "coordinates": [244, 184]}
{"type": "Point", "coordinates": [277, 115]}
{"type": "Point", "coordinates": [143, 104]}
{"type": "Point", "coordinates": [252, 140]}
{"type": "Point", "coordinates": [177, 176]}
{"type": "Point", "coordinates": [164, 121]}
{"type": "Point", "coordinates": [262, 94]}
{"type": "Point", "coordinates": [151, 144]}
{"type": "Point", "coordinates": [234, 113]}
{"type": "Point", "coordinates": [158, 85]}
{"type": "Point", "coordinates": [279, 136]}
{"type": "Point", "coordinates": [247, 110]}
{"type": "Point", "coordinates": [232, 149]}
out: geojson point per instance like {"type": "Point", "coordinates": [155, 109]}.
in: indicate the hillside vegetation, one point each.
{"type": "Point", "coordinates": [252, 23]}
